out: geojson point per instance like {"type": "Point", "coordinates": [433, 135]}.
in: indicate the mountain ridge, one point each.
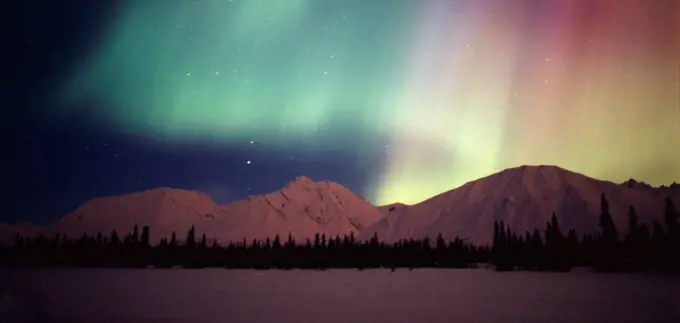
{"type": "Point", "coordinates": [302, 207]}
{"type": "Point", "coordinates": [523, 196]}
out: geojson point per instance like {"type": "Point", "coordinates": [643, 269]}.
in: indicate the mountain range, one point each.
{"type": "Point", "coordinates": [523, 197]}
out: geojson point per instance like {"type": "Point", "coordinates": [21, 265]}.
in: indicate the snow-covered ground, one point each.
{"type": "Point", "coordinates": [429, 295]}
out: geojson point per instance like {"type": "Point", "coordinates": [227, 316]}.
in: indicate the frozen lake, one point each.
{"type": "Point", "coordinates": [347, 296]}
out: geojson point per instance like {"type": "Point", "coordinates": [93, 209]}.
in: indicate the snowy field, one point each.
{"type": "Point", "coordinates": [347, 296]}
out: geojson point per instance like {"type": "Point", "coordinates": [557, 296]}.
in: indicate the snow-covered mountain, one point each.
{"type": "Point", "coordinates": [163, 209]}
{"type": "Point", "coordinates": [524, 197]}
{"type": "Point", "coordinates": [391, 208]}
{"type": "Point", "coordinates": [303, 207]}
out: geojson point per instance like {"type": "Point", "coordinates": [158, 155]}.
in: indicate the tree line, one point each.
{"type": "Point", "coordinates": [321, 252]}
{"type": "Point", "coordinates": [640, 249]}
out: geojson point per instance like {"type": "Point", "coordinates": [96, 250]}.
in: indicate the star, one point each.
{"type": "Point", "coordinates": [217, 72]}
{"type": "Point", "coordinates": [188, 74]}
{"type": "Point", "coordinates": [248, 162]}
{"type": "Point", "coordinates": [252, 142]}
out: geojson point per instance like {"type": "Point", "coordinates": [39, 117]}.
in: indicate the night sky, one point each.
{"type": "Point", "coordinates": [396, 99]}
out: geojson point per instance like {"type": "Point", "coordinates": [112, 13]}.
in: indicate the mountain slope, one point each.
{"type": "Point", "coordinates": [303, 208]}
{"type": "Point", "coordinates": [525, 198]}
{"type": "Point", "coordinates": [391, 208]}
{"type": "Point", "coordinates": [164, 210]}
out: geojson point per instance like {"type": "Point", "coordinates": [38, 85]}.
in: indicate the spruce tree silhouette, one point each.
{"type": "Point", "coordinates": [502, 254]}
{"type": "Point", "coordinates": [672, 243]}
{"type": "Point", "coordinates": [134, 239]}
{"type": "Point", "coordinates": [571, 250]}
{"type": "Point", "coordinates": [671, 217]}
{"type": "Point", "coordinates": [638, 251]}
{"type": "Point", "coordinates": [99, 239]}
{"type": "Point", "coordinates": [188, 250]}
{"type": "Point", "coordinates": [114, 238]}
{"type": "Point", "coordinates": [145, 236]}
{"type": "Point", "coordinates": [659, 242]}
{"type": "Point", "coordinates": [173, 240]}
{"type": "Point", "coordinates": [554, 243]}
{"type": "Point", "coordinates": [191, 238]}
{"type": "Point", "coordinates": [204, 242]}
{"type": "Point", "coordinates": [633, 242]}
{"type": "Point", "coordinates": [608, 253]}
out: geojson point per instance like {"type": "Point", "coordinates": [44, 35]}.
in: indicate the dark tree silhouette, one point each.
{"type": "Point", "coordinates": [608, 254]}
{"type": "Point", "coordinates": [639, 250]}
{"type": "Point", "coordinates": [145, 236]}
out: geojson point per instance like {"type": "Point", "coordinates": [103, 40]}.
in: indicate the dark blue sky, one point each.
{"type": "Point", "coordinates": [52, 168]}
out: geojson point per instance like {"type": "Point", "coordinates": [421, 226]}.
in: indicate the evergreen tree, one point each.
{"type": "Point", "coordinates": [638, 251]}
{"type": "Point", "coordinates": [114, 238]}
{"type": "Point", "coordinates": [277, 242]}
{"type": "Point", "coordinates": [173, 240]}
{"type": "Point", "coordinates": [290, 241]}
{"type": "Point", "coordinates": [317, 241]}
{"type": "Point", "coordinates": [633, 225]}
{"type": "Point", "coordinates": [608, 252]}
{"type": "Point", "coordinates": [671, 217]}
{"type": "Point", "coordinates": [204, 242]}
{"type": "Point", "coordinates": [609, 232]}
{"type": "Point", "coordinates": [671, 250]}
{"type": "Point", "coordinates": [554, 243]}
{"type": "Point", "coordinates": [99, 239]}
{"type": "Point", "coordinates": [191, 238]}
{"type": "Point", "coordinates": [134, 239]}
{"type": "Point", "coordinates": [145, 236]}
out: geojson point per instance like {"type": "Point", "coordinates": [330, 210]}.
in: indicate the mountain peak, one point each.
{"type": "Point", "coordinates": [164, 209]}
{"type": "Point", "coordinates": [632, 183]}
{"type": "Point", "coordinates": [300, 181]}
{"type": "Point", "coordinates": [537, 168]}
{"type": "Point", "coordinates": [524, 198]}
